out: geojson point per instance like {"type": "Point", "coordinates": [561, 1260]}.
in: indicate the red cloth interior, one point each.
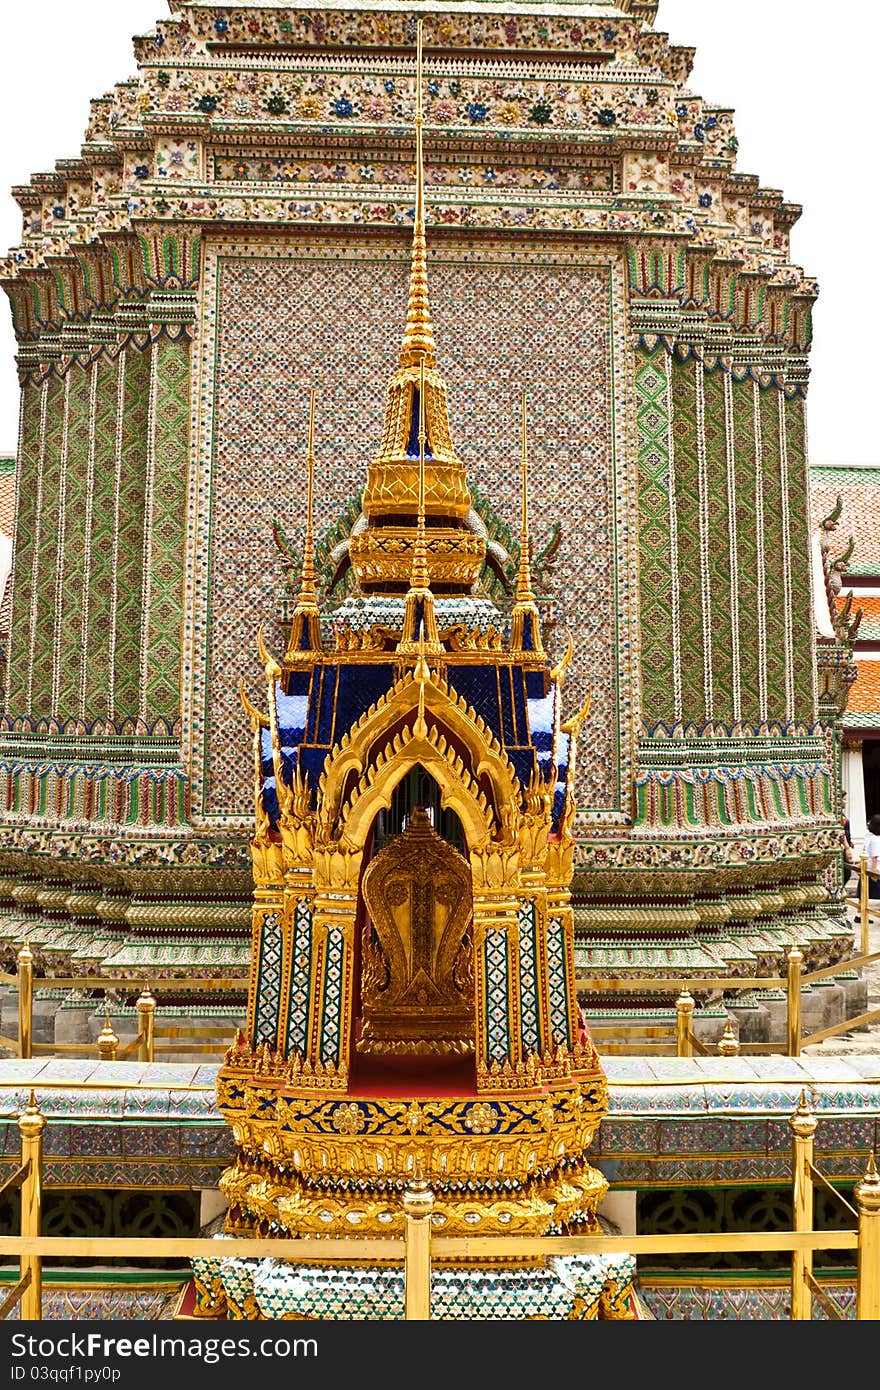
{"type": "Point", "coordinates": [412, 1076]}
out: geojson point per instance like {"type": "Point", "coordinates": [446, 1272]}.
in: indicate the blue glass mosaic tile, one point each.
{"type": "Point", "coordinates": [311, 761]}
{"type": "Point", "coordinates": [523, 760]}
{"type": "Point", "coordinates": [479, 686]}
{"type": "Point", "coordinates": [359, 688]}
{"type": "Point", "coordinates": [505, 695]}
{"type": "Point", "coordinates": [519, 704]}
{"type": "Point", "coordinates": [330, 677]}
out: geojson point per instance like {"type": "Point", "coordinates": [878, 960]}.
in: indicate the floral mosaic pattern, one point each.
{"type": "Point", "coordinates": [477, 174]}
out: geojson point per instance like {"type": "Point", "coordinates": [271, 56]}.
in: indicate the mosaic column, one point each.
{"type": "Point", "coordinates": [332, 937]}
{"type": "Point", "coordinates": [73, 539]}
{"type": "Point", "coordinates": [266, 982]}
{"type": "Point", "coordinates": [298, 974]}
{"type": "Point", "coordinates": [561, 991]}
{"type": "Point", "coordinates": [99, 578]}
{"type": "Point", "coordinates": [29, 493]}
{"type": "Point", "coordinates": [659, 597]}
{"type": "Point", "coordinates": [129, 482]}
{"type": "Point", "coordinates": [171, 312]}
{"type": "Point", "coordinates": [496, 937]}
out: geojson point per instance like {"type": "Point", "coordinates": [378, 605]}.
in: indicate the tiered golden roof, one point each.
{"type": "Point", "coordinates": [382, 554]}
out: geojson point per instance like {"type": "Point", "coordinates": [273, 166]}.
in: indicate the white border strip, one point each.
{"type": "Point", "coordinates": [761, 558]}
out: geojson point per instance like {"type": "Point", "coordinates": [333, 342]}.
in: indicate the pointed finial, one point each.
{"type": "Point", "coordinates": [305, 629]}
{"type": "Point", "coordinates": [728, 1045]}
{"type": "Point", "coordinates": [525, 630]}
{"type": "Point", "coordinates": [107, 1039]}
{"type": "Point", "coordinates": [31, 1121]}
{"type": "Point", "coordinates": [803, 1121]}
{"type": "Point", "coordinates": [524, 578]}
{"type": "Point", "coordinates": [422, 670]}
{"type": "Point", "coordinates": [422, 673]}
{"type": "Point", "coordinates": [418, 338]}
{"type": "Point", "coordinates": [867, 1196]}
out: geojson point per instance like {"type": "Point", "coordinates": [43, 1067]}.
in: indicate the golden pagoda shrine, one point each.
{"type": "Point", "coordinates": [412, 1003]}
{"type": "Point", "coordinates": [235, 229]}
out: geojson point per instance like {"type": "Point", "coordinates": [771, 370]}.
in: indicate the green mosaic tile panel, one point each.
{"type": "Point", "coordinates": [25, 533]}
{"type": "Point", "coordinates": [42, 655]}
{"type": "Point", "coordinates": [747, 547]}
{"type": "Point", "coordinates": [774, 557]}
{"type": "Point", "coordinates": [687, 504]}
{"type": "Point", "coordinates": [130, 561]}
{"type": "Point", "coordinates": [719, 548]}
{"type": "Point", "coordinates": [655, 571]}
{"type": "Point", "coordinates": [102, 540]}
{"type": "Point", "coordinates": [75, 521]}
{"type": "Point", "coordinates": [801, 586]}
{"type": "Point", "coordinates": [168, 529]}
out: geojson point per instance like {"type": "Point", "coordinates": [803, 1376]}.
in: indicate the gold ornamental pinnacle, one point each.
{"type": "Point", "coordinates": [416, 457]}
{"type": "Point", "coordinates": [418, 338]}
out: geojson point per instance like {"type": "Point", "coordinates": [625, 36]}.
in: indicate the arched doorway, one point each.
{"type": "Point", "coordinates": [416, 1003]}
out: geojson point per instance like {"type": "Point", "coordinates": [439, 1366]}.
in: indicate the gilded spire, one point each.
{"type": "Point", "coordinates": [305, 630]}
{"type": "Point", "coordinates": [525, 632]}
{"type": "Point", "coordinates": [418, 338]}
{"type": "Point", "coordinates": [420, 623]}
{"type": "Point", "coordinates": [383, 554]}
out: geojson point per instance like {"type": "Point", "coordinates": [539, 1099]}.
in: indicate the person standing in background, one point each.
{"type": "Point", "coordinates": [852, 864]}
{"type": "Point", "coordinates": [872, 852]}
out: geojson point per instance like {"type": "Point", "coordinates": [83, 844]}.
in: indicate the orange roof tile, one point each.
{"type": "Point", "coordinates": [859, 489]}
{"type": "Point", "coordinates": [863, 706]}
{"type": "Point", "coordinates": [869, 628]}
{"type": "Point", "coordinates": [7, 503]}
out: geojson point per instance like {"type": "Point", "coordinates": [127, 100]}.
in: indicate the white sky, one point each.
{"type": "Point", "coordinates": [799, 73]}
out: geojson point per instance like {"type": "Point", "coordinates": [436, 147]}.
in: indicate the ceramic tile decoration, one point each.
{"type": "Point", "coordinates": [237, 230]}
{"type": "Point", "coordinates": [412, 728]}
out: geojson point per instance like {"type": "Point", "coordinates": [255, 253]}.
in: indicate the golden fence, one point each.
{"type": "Point", "coordinates": [154, 1039]}
{"type": "Point", "coordinates": [151, 1039]}
{"type": "Point", "coordinates": [420, 1245]}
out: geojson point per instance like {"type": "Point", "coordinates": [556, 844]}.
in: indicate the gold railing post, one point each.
{"type": "Point", "coordinates": [803, 1123]}
{"type": "Point", "coordinates": [795, 961]}
{"type": "Point", "coordinates": [25, 1000]}
{"type": "Point", "coordinates": [728, 1043]}
{"type": "Point", "coordinates": [868, 1203]}
{"type": "Point", "coordinates": [418, 1203]}
{"type": "Point", "coordinates": [107, 1041]}
{"type": "Point", "coordinates": [31, 1125]}
{"type": "Point", "coordinates": [684, 1017]}
{"type": "Point", "coordinates": [146, 1008]}
{"type": "Point", "coordinates": [864, 904]}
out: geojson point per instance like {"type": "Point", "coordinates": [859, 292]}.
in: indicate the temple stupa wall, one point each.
{"type": "Point", "coordinates": [236, 230]}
